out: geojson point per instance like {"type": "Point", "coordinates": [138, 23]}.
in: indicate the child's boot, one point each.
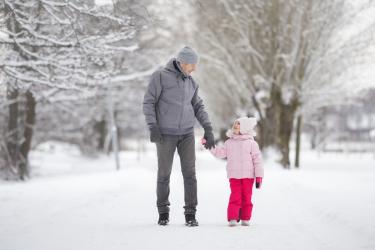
{"type": "Point", "coordinates": [245, 223]}
{"type": "Point", "coordinates": [232, 223]}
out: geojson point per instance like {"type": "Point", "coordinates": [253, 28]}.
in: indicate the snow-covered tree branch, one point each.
{"type": "Point", "coordinates": [54, 49]}
{"type": "Point", "coordinates": [278, 57]}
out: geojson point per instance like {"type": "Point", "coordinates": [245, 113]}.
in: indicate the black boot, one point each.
{"type": "Point", "coordinates": [163, 219]}
{"type": "Point", "coordinates": [190, 220]}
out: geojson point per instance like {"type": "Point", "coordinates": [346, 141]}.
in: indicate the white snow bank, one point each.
{"type": "Point", "coordinates": [78, 203]}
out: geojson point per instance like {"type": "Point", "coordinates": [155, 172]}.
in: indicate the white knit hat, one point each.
{"type": "Point", "coordinates": [247, 125]}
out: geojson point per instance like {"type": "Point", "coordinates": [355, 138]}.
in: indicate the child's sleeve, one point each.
{"type": "Point", "coordinates": [219, 151]}
{"type": "Point", "coordinates": [257, 160]}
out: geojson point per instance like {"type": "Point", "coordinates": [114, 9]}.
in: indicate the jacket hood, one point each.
{"type": "Point", "coordinates": [174, 66]}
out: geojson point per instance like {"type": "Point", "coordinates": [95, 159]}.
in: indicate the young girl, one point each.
{"type": "Point", "coordinates": [243, 166]}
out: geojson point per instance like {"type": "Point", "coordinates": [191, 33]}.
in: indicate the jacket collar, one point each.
{"type": "Point", "coordinates": [241, 137]}
{"type": "Point", "coordinates": [175, 67]}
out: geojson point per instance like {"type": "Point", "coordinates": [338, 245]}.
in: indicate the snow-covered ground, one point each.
{"type": "Point", "coordinates": [80, 203]}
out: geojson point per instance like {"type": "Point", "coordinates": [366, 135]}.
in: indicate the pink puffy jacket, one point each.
{"type": "Point", "coordinates": [244, 159]}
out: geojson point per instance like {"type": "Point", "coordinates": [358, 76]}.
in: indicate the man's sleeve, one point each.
{"type": "Point", "coordinates": [199, 110]}
{"type": "Point", "coordinates": [151, 98]}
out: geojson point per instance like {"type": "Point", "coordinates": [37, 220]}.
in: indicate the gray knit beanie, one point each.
{"type": "Point", "coordinates": [187, 55]}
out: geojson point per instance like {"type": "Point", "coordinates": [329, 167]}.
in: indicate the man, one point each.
{"type": "Point", "coordinates": [171, 105]}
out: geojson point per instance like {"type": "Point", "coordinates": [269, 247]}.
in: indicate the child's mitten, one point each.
{"type": "Point", "coordinates": [258, 182]}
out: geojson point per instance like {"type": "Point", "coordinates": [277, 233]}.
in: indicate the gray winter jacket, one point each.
{"type": "Point", "coordinates": [172, 102]}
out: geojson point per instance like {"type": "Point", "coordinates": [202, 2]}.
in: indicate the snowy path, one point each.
{"type": "Point", "coordinates": [322, 206]}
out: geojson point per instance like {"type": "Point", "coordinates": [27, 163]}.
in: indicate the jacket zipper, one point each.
{"type": "Point", "coordinates": [183, 101]}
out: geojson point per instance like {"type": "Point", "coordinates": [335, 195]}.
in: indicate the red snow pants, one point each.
{"type": "Point", "coordinates": [240, 206]}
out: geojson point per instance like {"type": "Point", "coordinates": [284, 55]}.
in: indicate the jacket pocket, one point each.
{"type": "Point", "coordinates": [169, 116]}
{"type": "Point", "coordinates": [163, 108]}
{"type": "Point", "coordinates": [189, 117]}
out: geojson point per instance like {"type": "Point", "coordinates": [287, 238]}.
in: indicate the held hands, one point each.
{"type": "Point", "coordinates": [209, 138]}
{"type": "Point", "coordinates": [258, 182]}
{"type": "Point", "coordinates": [203, 142]}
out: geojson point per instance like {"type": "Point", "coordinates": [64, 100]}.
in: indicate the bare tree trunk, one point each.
{"type": "Point", "coordinates": [269, 126]}
{"type": "Point", "coordinates": [101, 129]}
{"type": "Point", "coordinates": [287, 115]}
{"type": "Point", "coordinates": [277, 126]}
{"type": "Point", "coordinates": [28, 134]}
{"type": "Point", "coordinates": [313, 139]}
{"type": "Point", "coordinates": [298, 141]}
{"type": "Point", "coordinates": [12, 97]}
{"type": "Point", "coordinates": [13, 137]}
{"type": "Point", "coordinates": [19, 151]}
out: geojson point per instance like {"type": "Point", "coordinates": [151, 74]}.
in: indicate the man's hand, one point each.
{"type": "Point", "coordinates": [155, 135]}
{"type": "Point", "coordinates": [209, 137]}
